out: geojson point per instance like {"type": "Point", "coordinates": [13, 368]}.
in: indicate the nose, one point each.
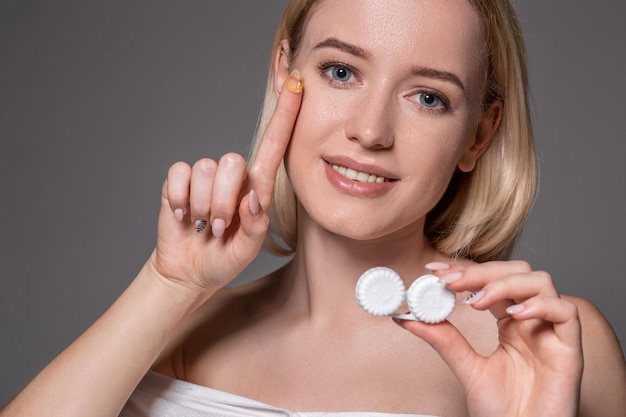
{"type": "Point", "coordinates": [371, 121]}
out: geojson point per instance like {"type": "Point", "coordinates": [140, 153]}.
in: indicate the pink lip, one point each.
{"type": "Point", "coordinates": [356, 188]}
{"type": "Point", "coordinates": [359, 166]}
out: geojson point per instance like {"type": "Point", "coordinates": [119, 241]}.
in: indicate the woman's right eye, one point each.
{"type": "Point", "coordinates": [337, 74]}
{"type": "Point", "coordinates": [341, 74]}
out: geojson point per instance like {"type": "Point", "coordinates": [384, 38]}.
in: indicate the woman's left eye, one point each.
{"type": "Point", "coordinates": [432, 101]}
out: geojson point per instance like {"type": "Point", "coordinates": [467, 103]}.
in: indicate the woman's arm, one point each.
{"type": "Point", "coordinates": [97, 373]}
{"type": "Point", "coordinates": [557, 355]}
{"type": "Point", "coordinates": [603, 390]}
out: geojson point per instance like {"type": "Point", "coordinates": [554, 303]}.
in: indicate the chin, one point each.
{"type": "Point", "coordinates": [369, 230]}
{"type": "Point", "coordinates": [361, 222]}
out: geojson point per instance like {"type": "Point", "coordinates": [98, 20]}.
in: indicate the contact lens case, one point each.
{"type": "Point", "coordinates": [380, 291]}
{"type": "Point", "coordinates": [429, 300]}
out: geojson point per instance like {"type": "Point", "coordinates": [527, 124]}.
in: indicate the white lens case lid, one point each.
{"type": "Point", "coordinates": [380, 291]}
{"type": "Point", "coordinates": [429, 300]}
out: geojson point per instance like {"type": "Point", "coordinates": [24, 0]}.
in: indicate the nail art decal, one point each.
{"type": "Point", "coordinates": [200, 225]}
{"type": "Point", "coordinates": [473, 297]}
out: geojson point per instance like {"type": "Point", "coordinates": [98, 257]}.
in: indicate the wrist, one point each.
{"type": "Point", "coordinates": [179, 291]}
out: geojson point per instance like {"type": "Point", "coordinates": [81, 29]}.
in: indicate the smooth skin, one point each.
{"type": "Point", "coordinates": [297, 338]}
{"type": "Point", "coordinates": [97, 373]}
{"type": "Point", "coordinates": [302, 324]}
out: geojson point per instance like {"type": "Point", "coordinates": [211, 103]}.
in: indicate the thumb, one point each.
{"type": "Point", "coordinates": [449, 343]}
{"type": "Point", "coordinates": [254, 223]}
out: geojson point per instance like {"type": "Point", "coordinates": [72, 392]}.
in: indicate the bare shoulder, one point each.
{"type": "Point", "coordinates": [597, 333]}
{"type": "Point", "coordinates": [604, 375]}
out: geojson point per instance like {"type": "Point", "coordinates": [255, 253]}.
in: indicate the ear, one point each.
{"type": "Point", "coordinates": [486, 129]}
{"type": "Point", "coordinates": [281, 66]}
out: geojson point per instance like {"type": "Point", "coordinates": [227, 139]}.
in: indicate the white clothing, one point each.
{"type": "Point", "coordinates": [158, 395]}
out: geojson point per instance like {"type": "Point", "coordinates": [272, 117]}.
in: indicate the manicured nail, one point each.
{"type": "Point", "coordinates": [517, 308]}
{"type": "Point", "coordinates": [218, 227]}
{"type": "Point", "coordinates": [435, 266]}
{"type": "Point", "coordinates": [451, 277]}
{"type": "Point", "coordinates": [199, 225]}
{"type": "Point", "coordinates": [253, 203]}
{"type": "Point", "coordinates": [294, 82]}
{"type": "Point", "coordinates": [179, 213]}
{"type": "Point", "coordinates": [474, 297]}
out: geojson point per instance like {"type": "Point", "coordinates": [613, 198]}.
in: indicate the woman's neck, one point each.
{"type": "Point", "coordinates": [325, 268]}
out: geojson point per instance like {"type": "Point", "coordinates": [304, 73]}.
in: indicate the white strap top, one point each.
{"type": "Point", "coordinates": [158, 395]}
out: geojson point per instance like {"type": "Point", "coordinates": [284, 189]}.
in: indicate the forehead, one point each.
{"type": "Point", "coordinates": [444, 34]}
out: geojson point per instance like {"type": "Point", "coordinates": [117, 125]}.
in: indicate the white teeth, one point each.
{"type": "Point", "coordinates": [362, 176]}
{"type": "Point", "coordinates": [350, 173]}
{"type": "Point", "coordinates": [357, 175]}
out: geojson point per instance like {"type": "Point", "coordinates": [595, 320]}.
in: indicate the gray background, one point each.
{"type": "Point", "coordinates": [97, 99]}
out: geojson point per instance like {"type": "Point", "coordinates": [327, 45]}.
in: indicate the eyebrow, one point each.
{"type": "Point", "coordinates": [343, 46]}
{"type": "Point", "coordinates": [439, 75]}
{"type": "Point", "coordinates": [362, 53]}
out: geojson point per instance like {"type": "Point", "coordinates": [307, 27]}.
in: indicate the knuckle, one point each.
{"type": "Point", "coordinates": [232, 159]}
{"type": "Point", "coordinates": [522, 265]}
{"type": "Point", "coordinates": [205, 166]}
{"type": "Point", "coordinates": [258, 229]}
{"type": "Point", "coordinates": [543, 275]}
{"type": "Point", "coordinates": [545, 280]}
{"type": "Point", "coordinates": [572, 309]}
{"type": "Point", "coordinates": [255, 170]}
{"type": "Point", "coordinates": [178, 168]}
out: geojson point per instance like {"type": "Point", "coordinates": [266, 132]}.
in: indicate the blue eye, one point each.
{"type": "Point", "coordinates": [430, 100]}
{"type": "Point", "coordinates": [341, 74]}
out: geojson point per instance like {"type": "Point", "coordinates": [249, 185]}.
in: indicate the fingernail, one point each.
{"type": "Point", "coordinates": [218, 227]}
{"type": "Point", "coordinates": [435, 266]}
{"type": "Point", "coordinates": [294, 82]}
{"type": "Point", "coordinates": [517, 308]}
{"type": "Point", "coordinates": [253, 203]}
{"type": "Point", "coordinates": [451, 277]}
{"type": "Point", "coordinates": [199, 225]}
{"type": "Point", "coordinates": [474, 297]}
{"type": "Point", "coordinates": [179, 213]}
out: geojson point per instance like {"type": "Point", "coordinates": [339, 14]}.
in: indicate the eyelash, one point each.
{"type": "Point", "coordinates": [444, 106]}
{"type": "Point", "coordinates": [329, 65]}
{"type": "Point", "coordinates": [325, 66]}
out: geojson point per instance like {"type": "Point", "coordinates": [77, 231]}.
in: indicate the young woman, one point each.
{"type": "Point", "coordinates": [394, 133]}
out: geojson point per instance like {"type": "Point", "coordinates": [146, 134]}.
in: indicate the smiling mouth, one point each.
{"type": "Point", "coordinates": [358, 175]}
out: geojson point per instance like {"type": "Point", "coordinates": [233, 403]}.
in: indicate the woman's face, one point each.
{"type": "Point", "coordinates": [390, 109]}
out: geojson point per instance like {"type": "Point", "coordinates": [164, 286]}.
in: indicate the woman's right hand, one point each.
{"type": "Point", "coordinates": [97, 373]}
{"type": "Point", "coordinates": [226, 197]}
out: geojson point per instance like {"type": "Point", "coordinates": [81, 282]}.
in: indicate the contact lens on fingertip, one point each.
{"type": "Point", "coordinates": [380, 291]}
{"type": "Point", "coordinates": [295, 82]}
{"type": "Point", "coordinates": [429, 300]}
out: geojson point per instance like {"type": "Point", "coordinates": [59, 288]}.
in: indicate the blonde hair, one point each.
{"type": "Point", "coordinates": [482, 211]}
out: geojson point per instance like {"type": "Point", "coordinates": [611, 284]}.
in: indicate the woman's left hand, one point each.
{"type": "Point", "coordinates": [537, 367]}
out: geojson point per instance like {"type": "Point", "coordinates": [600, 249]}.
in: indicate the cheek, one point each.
{"type": "Point", "coordinates": [319, 119]}
{"type": "Point", "coordinates": [320, 107]}
{"type": "Point", "coordinates": [430, 158]}
{"type": "Point", "coordinates": [305, 138]}
{"type": "Point", "coordinates": [434, 144]}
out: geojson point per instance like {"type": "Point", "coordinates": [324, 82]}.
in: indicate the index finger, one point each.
{"type": "Point", "coordinates": [262, 174]}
